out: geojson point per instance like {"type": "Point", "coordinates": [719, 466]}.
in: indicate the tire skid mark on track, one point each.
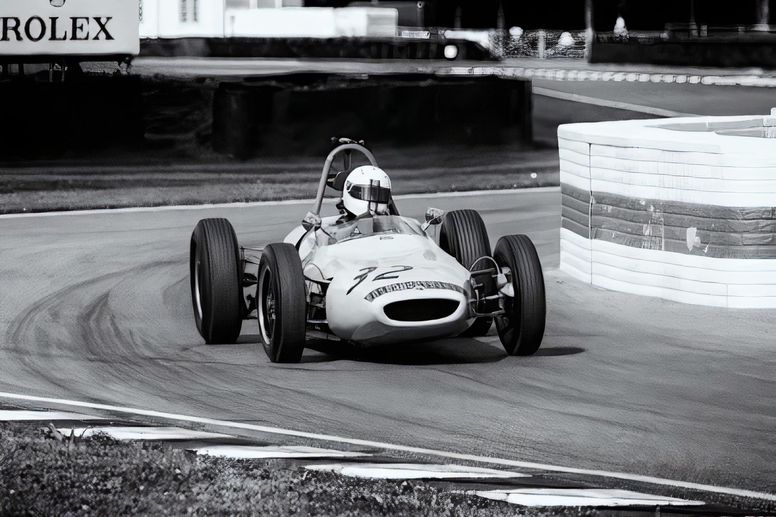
{"type": "Point", "coordinates": [94, 327]}
{"type": "Point", "coordinates": [100, 360]}
{"type": "Point", "coordinates": [30, 323]}
{"type": "Point", "coordinates": [171, 293]}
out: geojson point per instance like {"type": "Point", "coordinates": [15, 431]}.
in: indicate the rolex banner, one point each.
{"type": "Point", "coordinates": [68, 27]}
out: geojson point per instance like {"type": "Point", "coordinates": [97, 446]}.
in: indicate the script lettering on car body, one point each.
{"type": "Point", "coordinates": [412, 284]}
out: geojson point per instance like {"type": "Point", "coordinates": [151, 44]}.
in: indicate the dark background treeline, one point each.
{"type": "Point", "coordinates": [569, 14]}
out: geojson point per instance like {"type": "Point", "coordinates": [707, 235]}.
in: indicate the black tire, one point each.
{"type": "Point", "coordinates": [521, 329]}
{"type": "Point", "coordinates": [214, 269]}
{"type": "Point", "coordinates": [463, 235]}
{"type": "Point", "coordinates": [281, 303]}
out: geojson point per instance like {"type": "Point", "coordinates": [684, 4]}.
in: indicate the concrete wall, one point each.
{"type": "Point", "coordinates": [311, 22]}
{"type": "Point", "coordinates": [213, 19]}
{"type": "Point", "coordinates": [682, 209]}
{"type": "Point", "coordinates": [165, 18]}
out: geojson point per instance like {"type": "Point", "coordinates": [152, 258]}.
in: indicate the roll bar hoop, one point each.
{"type": "Point", "coordinates": [327, 167]}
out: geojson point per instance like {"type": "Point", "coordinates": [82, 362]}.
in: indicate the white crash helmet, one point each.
{"type": "Point", "coordinates": [367, 189]}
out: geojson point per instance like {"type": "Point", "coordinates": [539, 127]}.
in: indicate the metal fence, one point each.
{"type": "Point", "coordinates": [542, 44]}
{"type": "Point", "coordinates": [549, 44]}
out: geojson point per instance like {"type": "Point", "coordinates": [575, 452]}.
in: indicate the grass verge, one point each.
{"type": "Point", "coordinates": [42, 475]}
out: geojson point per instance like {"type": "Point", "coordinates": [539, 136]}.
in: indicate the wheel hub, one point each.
{"type": "Point", "coordinates": [271, 306]}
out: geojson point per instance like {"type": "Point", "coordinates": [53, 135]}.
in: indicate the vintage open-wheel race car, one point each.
{"type": "Point", "coordinates": [372, 279]}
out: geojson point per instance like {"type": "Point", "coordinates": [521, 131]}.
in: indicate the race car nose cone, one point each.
{"type": "Point", "coordinates": [387, 304]}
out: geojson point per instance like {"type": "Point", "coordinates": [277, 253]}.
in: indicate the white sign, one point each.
{"type": "Point", "coordinates": [69, 27]}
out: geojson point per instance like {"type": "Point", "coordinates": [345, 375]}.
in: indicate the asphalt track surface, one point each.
{"type": "Point", "coordinates": [96, 307]}
{"type": "Point", "coordinates": [699, 99]}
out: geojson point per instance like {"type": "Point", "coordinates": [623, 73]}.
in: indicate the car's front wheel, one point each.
{"type": "Point", "coordinates": [281, 303]}
{"type": "Point", "coordinates": [521, 327]}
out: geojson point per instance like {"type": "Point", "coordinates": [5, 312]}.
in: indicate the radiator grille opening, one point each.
{"type": "Point", "coordinates": [421, 310]}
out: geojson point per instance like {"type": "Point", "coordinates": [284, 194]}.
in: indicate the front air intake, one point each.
{"type": "Point", "coordinates": [421, 310]}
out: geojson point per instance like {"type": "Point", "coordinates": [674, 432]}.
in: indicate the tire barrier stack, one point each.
{"type": "Point", "coordinates": [682, 209]}
{"type": "Point", "coordinates": [298, 113]}
{"type": "Point", "coordinates": [85, 114]}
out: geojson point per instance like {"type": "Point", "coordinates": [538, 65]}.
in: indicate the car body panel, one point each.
{"type": "Point", "coordinates": [365, 275]}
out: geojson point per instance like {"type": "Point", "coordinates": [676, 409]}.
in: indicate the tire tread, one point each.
{"type": "Point", "coordinates": [291, 303]}
{"type": "Point", "coordinates": [521, 255]}
{"type": "Point", "coordinates": [466, 238]}
{"type": "Point", "coordinates": [221, 294]}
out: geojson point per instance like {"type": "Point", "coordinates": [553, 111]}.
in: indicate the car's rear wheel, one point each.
{"type": "Point", "coordinates": [521, 328]}
{"type": "Point", "coordinates": [216, 293]}
{"type": "Point", "coordinates": [281, 303]}
{"type": "Point", "coordinates": [463, 235]}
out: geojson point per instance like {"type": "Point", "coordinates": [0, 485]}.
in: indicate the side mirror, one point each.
{"type": "Point", "coordinates": [433, 216]}
{"type": "Point", "coordinates": [311, 221]}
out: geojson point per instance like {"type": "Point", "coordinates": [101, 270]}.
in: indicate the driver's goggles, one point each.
{"type": "Point", "coordinates": [371, 193]}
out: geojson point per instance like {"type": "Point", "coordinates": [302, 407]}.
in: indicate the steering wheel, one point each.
{"type": "Point", "coordinates": [344, 140]}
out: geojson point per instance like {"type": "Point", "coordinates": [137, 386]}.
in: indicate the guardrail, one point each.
{"type": "Point", "coordinates": [682, 209]}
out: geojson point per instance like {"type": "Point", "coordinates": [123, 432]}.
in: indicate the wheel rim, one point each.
{"type": "Point", "coordinates": [197, 294]}
{"type": "Point", "coordinates": [266, 306]}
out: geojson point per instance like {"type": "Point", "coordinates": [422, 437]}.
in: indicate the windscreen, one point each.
{"type": "Point", "coordinates": [366, 226]}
